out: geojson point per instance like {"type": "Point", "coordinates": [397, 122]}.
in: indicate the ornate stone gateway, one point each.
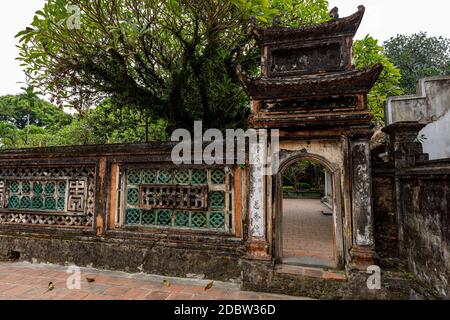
{"type": "Point", "coordinates": [129, 207]}
{"type": "Point", "coordinates": [310, 90]}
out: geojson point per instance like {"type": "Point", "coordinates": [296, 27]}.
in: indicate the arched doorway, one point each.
{"type": "Point", "coordinates": [307, 217]}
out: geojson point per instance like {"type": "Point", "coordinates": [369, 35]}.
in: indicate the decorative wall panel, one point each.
{"type": "Point", "coordinates": [177, 198]}
{"type": "Point", "coordinates": [47, 196]}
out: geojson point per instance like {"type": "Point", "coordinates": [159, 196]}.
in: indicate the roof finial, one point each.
{"type": "Point", "coordinates": [334, 13]}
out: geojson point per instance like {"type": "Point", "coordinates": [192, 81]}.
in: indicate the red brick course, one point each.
{"type": "Point", "coordinates": [23, 281]}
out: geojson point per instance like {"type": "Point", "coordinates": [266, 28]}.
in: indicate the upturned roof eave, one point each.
{"type": "Point", "coordinates": [344, 26]}
{"type": "Point", "coordinates": [348, 82]}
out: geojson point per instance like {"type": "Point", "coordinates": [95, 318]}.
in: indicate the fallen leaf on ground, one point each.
{"type": "Point", "coordinates": [90, 279]}
{"type": "Point", "coordinates": [166, 283]}
{"type": "Point", "coordinates": [51, 286]}
{"type": "Point", "coordinates": [209, 285]}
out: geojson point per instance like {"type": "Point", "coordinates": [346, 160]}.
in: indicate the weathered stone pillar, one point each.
{"type": "Point", "coordinates": [362, 251]}
{"type": "Point", "coordinates": [328, 186]}
{"type": "Point", "coordinates": [328, 196]}
{"type": "Point", "coordinates": [257, 245]}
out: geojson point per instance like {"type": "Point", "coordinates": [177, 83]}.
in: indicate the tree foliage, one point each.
{"type": "Point", "coordinates": [175, 59]}
{"type": "Point", "coordinates": [14, 109]}
{"type": "Point", "coordinates": [161, 64]}
{"type": "Point", "coordinates": [304, 175]}
{"type": "Point", "coordinates": [50, 126]}
{"type": "Point", "coordinates": [28, 121]}
{"type": "Point", "coordinates": [107, 124]}
{"type": "Point", "coordinates": [367, 53]}
{"type": "Point", "coordinates": [418, 56]}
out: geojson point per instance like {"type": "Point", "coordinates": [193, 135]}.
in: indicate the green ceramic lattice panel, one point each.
{"type": "Point", "coordinates": [61, 204]}
{"type": "Point", "coordinates": [198, 220]}
{"type": "Point", "coordinates": [37, 195]}
{"type": "Point", "coordinates": [148, 217]}
{"type": "Point", "coordinates": [133, 177]}
{"type": "Point", "coordinates": [49, 188]}
{"type": "Point", "coordinates": [14, 202]}
{"type": "Point", "coordinates": [164, 217]}
{"type": "Point", "coordinates": [14, 187]}
{"type": "Point", "coordinates": [182, 177]}
{"type": "Point", "coordinates": [214, 219]}
{"type": "Point", "coordinates": [216, 200]}
{"type": "Point", "coordinates": [133, 216]}
{"type": "Point", "coordinates": [62, 187]}
{"type": "Point", "coordinates": [148, 176]}
{"type": "Point", "coordinates": [199, 177]}
{"type": "Point", "coordinates": [182, 219]}
{"type": "Point", "coordinates": [25, 202]}
{"type": "Point", "coordinates": [218, 176]}
{"type": "Point", "coordinates": [133, 196]}
{"type": "Point", "coordinates": [37, 203]}
{"type": "Point", "coordinates": [217, 219]}
{"type": "Point", "coordinates": [38, 188]}
{"type": "Point", "coordinates": [50, 204]}
{"type": "Point", "coordinates": [26, 187]}
{"type": "Point", "coordinates": [164, 177]}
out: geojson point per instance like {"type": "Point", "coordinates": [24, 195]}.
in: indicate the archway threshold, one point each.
{"type": "Point", "coordinates": [312, 272]}
{"type": "Point", "coordinates": [309, 261]}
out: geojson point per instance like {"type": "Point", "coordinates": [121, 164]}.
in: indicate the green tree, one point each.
{"type": "Point", "coordinates": [50, 126]}
{"type": "Point", "coordinates": [108, 123]}
{"type": "Point", "coordinates": [28, 121]}
{"type": "Point", "coordinates": [294, 175]}
{"type": "Point", "coordinates": [418, 56]}
{"type": "Point", "coordinates": [172, 59]}
{"type": "Point", "coordinates": [12, 137]}
{"type": "Point", "coordinates": [14, 109]}
{"type": "Point", "coordinates": [31, 98]}
{"type": "Point", "coordinates": [304, 175]}
{"type": "Point", "coordinates": [367, 53]}
{"type": "Point", "coordinates": [9, 135]}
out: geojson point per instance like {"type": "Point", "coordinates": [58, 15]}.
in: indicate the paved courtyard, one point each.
{"type": "Point", "coordinates": [27, 281]}
{"type": "Point", "coordinates": [307, 233]}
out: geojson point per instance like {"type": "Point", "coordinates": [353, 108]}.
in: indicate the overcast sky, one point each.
{"type": "Point", "coordinates": [383, 19]}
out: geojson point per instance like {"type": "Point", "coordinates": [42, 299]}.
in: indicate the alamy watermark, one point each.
{"type": "Point", "coordinates": [374, 280]}
{"type": "Point", "coordinates": [74, 280]}
{"type": "Point", "coordinates": [213, 147]}
{"type": "Point", "coordinates": [73, 22]}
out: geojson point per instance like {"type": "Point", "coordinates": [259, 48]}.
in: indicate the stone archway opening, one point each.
{"type": "Point", "coordinates": [307, 211]}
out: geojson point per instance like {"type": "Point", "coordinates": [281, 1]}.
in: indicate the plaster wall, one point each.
{"type": "Point", "coordinates": [330, 150]}
{"type": "Point", "coordinates": [431, 106]}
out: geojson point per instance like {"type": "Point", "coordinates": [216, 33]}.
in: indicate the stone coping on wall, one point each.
{"type": "Point", "coordinates": [154, 149]}
{"type": "Point", "coordinates": [416, 107]}
{"type": "Point", "coordinates": [100, 149]}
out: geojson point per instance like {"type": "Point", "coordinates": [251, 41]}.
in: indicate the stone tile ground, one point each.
{"type": "Point", "coordinates": [306, 231]}
{"type": "Point", "coordinates": [25, 281]}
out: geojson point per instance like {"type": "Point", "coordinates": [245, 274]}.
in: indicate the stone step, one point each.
{"type": "Point", "coordinates": [311, 272]}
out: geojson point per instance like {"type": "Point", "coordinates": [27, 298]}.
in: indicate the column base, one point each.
{"type": "Point", "coordinates": [258, 250]}
{"type": "Point", "coordinates": [361, 258]}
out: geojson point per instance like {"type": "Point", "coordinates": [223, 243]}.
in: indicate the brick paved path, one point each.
{"type": "Point", "coordinates": [306, 231]}
{"type": "Point", "coordinates": [30, 281]}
